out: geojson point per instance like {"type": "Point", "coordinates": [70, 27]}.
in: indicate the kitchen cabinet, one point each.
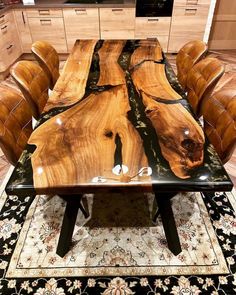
{"type": "Point", "coordinates": [23, 30]}
{"type": "Point", "coordinates": [188, 23]}
{"type": "Point", "coordinates": [117, 23]}
{"type": "Point", "coordinates": [9, 41]}
{"type": "Point", "coordinates": [153, 27]}
{"type": "Point", "coordinates": [224, 17]}
{"type": "Point", "coordinates": [81, 23]}
{"type": "Point", "coordinates": [48, 25]}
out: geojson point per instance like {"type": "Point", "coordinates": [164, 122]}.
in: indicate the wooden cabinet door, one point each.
{"type": "Point", "coordinates": [191, 2]}
{"type": "Point", "coordinates": [81, 23]}
{"type": "Point", "coordinates": [188, 23]}
{"type": "Point", "coordinates": [223, 30]}
{"type": "Point", "coordinates": [153, 27]}
{"type": "Point", "coordinates": [117, 23]}
{"type": "Point", "coordinates": [9, 41]}
{"type": "Point", "coordinates": [50, 29]}
{"type": "Point", "coordinates": [23, 30]}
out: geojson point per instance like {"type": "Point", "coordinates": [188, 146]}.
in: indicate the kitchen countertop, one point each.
{"type": "Point", "coordinates": [61, 4]}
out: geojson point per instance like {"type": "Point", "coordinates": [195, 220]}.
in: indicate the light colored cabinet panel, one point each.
{"type": "Point", "coordinates": [191, 11]}
{"type": "Point", "coordinates": [223, 39]}
{"type": "Point", "coordinates": [23, 30]}
{"type": "Point", "coordinates": [9, 41]}
{"type": "Point", "coordinates": [153, 27]}
{"type": "Point", "coordinates": [44, 12]}
{"type": "Point", "coordinates": [7, 30]}
{"type": "Point", "coordinates": [191, 2]}
{"type": "Point", "coordinates": [9, 53]}
{"type": "Point", "coordinates": [49, 29]}
{"type": "Point", "coordinates": [5, 17]}
{"type": "Point", "coordinates": [117, 23]}
{"type": "Point", "coordinates": [224, 17]}
{"type": "Point", "coordinates": [149, 26]}
{"type": "Point", "coordinates": [81, 23]}
{"type": "Point", "coordinates": [187, 24]}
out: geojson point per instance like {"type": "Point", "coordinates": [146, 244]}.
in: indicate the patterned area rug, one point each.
{"type": "Point", "coordinates": [117, 250]}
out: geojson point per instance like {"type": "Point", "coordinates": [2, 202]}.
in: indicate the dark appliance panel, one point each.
{"type": "Point", "coordinates": [153, 8]}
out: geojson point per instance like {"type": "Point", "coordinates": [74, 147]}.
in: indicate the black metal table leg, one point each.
{"type": "Point", "coordinates": [167, 217]}
{"type": "Point", "coordinates": [68, 224]}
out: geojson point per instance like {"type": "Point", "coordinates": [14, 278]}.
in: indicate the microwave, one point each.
{"type": "Point", "coordinates": [153, 8]}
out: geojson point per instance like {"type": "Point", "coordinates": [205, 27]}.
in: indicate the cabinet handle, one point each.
{"type": "Point", "coordinates": [191, 11]}
{"type": "Point", "coordinates": [117, 10]}
{"type": "Point", "coordinates": [23, 16]}
{"type": "Point", "coordinates": [46, 22]}
{"type": "Point", "coordinates": [2, 18]}
{"type": "Point", "coordinates": [153, 20]}
{"type": "Point", "coordinates": [80, 11]}
{"type": "Point", "coordinates": [9, 47]}
{"type": "Point", "coordinates": [4, 29]}
{"type": "Point", "coordinates": [192, 2]}
{"type": "Point", "coordinates": [44, 12]}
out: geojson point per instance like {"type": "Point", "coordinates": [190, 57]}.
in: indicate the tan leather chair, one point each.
{"type": "Point", "coordinates": [15, 123]}
{"type": "Point", "coordinates": [48, 59]}
{"type": "Point", "coordinates": [219, 114]}
{"type": "Point", "coordinates": [201, 81]}
{"type": "Point", "coordinates": [33, 83]}
{"type": "Point", "coordinates": [187, 57]}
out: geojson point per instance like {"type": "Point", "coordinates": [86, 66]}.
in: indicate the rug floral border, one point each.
{"type": "Point", "coordinates": [225, 229]}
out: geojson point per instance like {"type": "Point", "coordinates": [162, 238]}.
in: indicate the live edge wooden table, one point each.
{"type": "Point", "coordinates": [117, 120]}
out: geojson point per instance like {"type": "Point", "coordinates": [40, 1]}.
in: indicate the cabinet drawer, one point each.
{"type": "Point", "coordinates": [148, 26]}
{"type": "Point", "coordinates": [116, 23]}
{"type": "Point", "coordinates": [49, 29]}
{"type": "Point", "coordinates": [86, 19]}
{"type": "Point", "coordinates": [191, 11]}
{"type": "Point", "coordinates": [9, 53]}
{"type": "Point", "coordinates": [44, 12]}
{"type": "Point", "coordinates": [6, 17]}
{"type": "Point", "coordinates": [176, 42]}
{"type": "Point", "coordinates": [191, 2]}
{"type": "Point", "coordinates": [23, 30]}
{"type": "Point", "coordinates": [7, 32]}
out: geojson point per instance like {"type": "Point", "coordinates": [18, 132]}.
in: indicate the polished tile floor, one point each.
{"type": "Point", "coordinates": [228, 57]}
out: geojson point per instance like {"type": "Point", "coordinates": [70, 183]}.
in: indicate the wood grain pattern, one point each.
{"type": "Point", "coordinates": [70, 87]}
{"type": "Point", "coordinates": [150, 78]}
{"type": "Point", "coordinates": [180, 137]}
{"type": "Point", "coordinates": [110, 71]}
{"type": "Point", "coordinates": [81, 142]}
{"type": "Point", "coordinates": [147, 50]}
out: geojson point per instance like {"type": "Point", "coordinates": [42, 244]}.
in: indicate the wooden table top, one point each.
{"type": "Point", "coordinates": [117, 119]}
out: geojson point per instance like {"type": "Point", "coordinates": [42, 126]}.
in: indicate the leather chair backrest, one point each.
{"type": "Point", "coordinates": [187, 57]}
{"type": "Point", "coordinates": [33, 83]}
{"type": "Point", "coordinates": [15, 123]}
{"type": "Point", "coordinates": [48, 59]}
{"type": "Point", "coordinates": [219, 113]}
{"type": "Point", "coordinates": [201, 81]}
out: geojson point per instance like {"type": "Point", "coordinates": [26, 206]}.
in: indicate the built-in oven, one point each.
{"type": "Point", "coordinates": [149, 8]}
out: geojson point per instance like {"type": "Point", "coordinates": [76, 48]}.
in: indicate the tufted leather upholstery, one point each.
{"type": "Point", "coordinates": [187, 57]}
{"type": "Point", "coordinates": [33, 83]}
{"type": "Point", "coordinates": [48, 59]}
{"type": "Point", "coordinates": [219, 113]}
{"type": "Point", "coordinates": [201, 81]}
{"type": "Point", "coordinates": [15, 123]}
